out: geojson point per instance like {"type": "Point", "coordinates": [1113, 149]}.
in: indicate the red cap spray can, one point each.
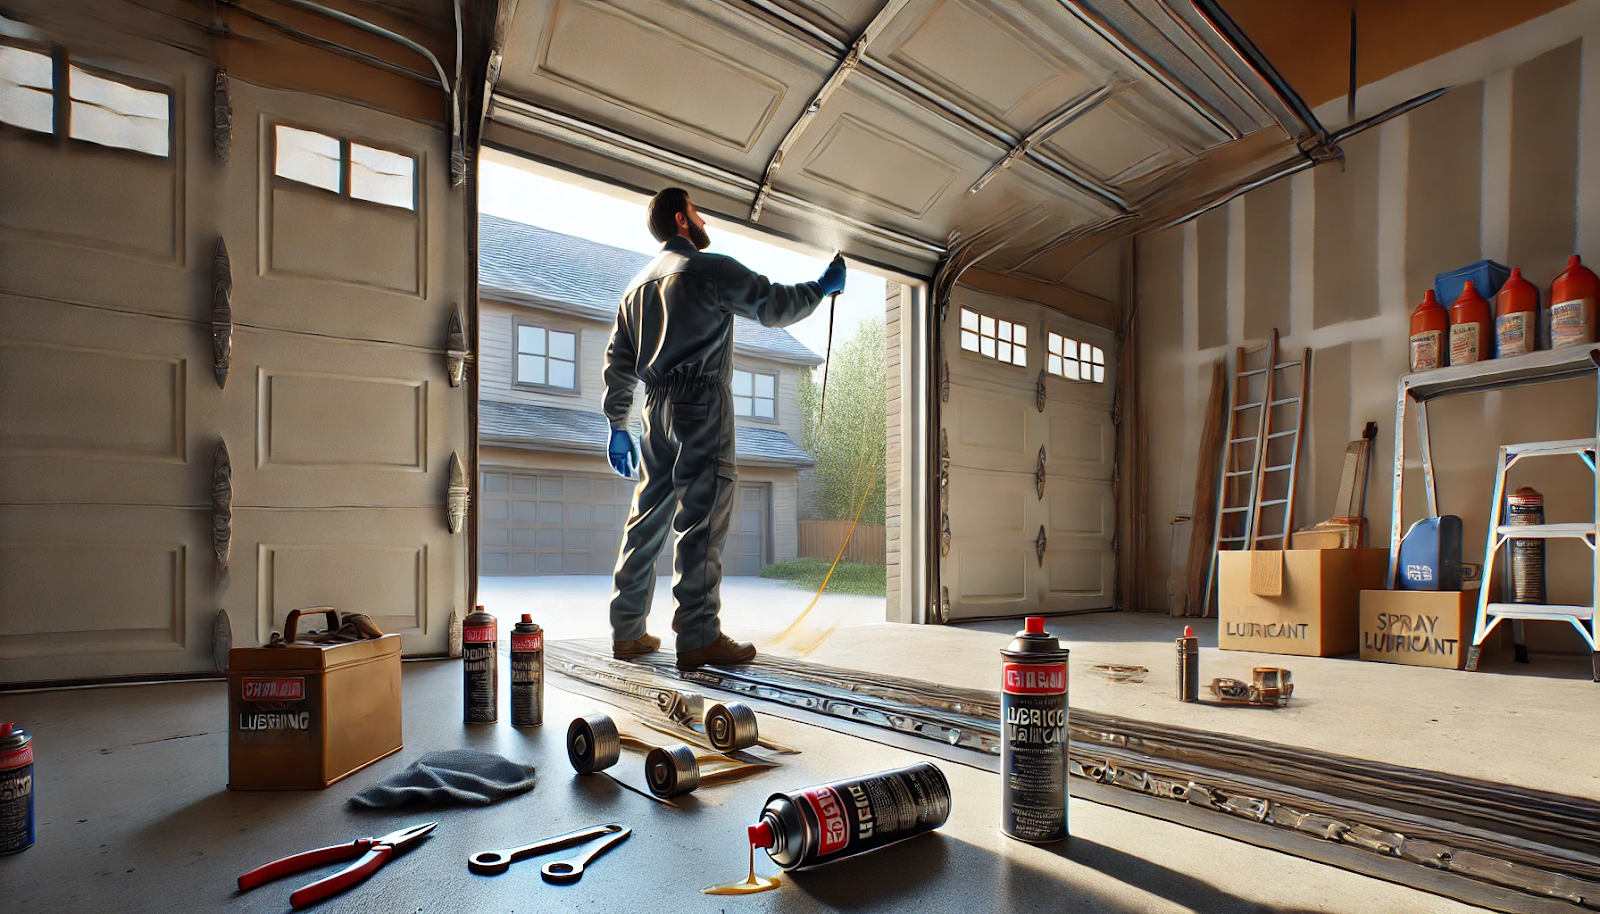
{"type": "Point", "coordinates": [527, 674]}
{"type": "Point", "coordinates": [1188, 665]}
{"type": "Point", "coordinates": [1033, 746]}
{"type": "Point", "coordinates": [480, 646]}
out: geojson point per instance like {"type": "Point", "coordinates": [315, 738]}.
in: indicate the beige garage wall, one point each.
{"type": "Point", "coordinates": [1506, 167]}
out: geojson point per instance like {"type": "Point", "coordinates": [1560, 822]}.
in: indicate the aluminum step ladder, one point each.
{"type": "Point", "coordinates": [1241, 455]}
{"type": "Point", "coordinates": [1491, 614]}
{"type": "Point", "coordinates": [1284, 423]}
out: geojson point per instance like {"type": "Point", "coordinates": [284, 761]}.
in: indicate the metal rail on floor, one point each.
{"type": "Point", "coordinates": [1500, 846]}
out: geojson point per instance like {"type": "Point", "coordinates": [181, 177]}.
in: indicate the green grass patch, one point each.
{"type": "Point", "coordinates": [849, 577]}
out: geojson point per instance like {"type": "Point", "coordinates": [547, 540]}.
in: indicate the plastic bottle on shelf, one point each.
{"type": "Point", "coordinates": [1429, 325]}
{"type": "Point", "coordinates": [1471, 333]}
{"type": "Point", "coordinates": [1572, 298]}
{"type": "Point", "coordinates": [1516, 316]}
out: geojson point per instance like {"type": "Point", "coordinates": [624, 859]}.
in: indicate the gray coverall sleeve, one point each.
{"type": "Point", "coordinates": [749, 294]}
{"type": "Point", "coordinates": [621, 372]}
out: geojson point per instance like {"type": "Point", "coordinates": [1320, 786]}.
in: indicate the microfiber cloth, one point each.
{"type": "Point", "coordinates": [467, 777]}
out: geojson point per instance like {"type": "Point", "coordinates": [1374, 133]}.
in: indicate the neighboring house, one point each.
{"type": "Point", "coordinates": [550, 503]}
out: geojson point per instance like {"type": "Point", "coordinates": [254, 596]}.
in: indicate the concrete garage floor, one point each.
{"type": "Point", "coordinates": [134, 817]}
{"type": "Point", "coordinates": [576, 606]}
{"type": "Point", "coordinates": [1527, 724]}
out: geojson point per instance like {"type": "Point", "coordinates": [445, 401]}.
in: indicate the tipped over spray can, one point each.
{"type": "Point", "coordinates": [1033, 750]}
{"type": "Point", "coordinates": [527, 674]}
{"type": "Point", "coordinates": [1188, 665]}
{"type": "Point", "coordinates": [480, 645]}
{"type": "Point", "coordinates": [820, 824]}
{"type": "Point", "coordinates": [16, 789]}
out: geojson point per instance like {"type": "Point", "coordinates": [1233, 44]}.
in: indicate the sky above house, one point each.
{"type": "Point", "coordinates": [513, 193]}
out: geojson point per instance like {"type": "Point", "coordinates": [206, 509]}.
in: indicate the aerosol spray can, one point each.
{"type": "Point", "coordinates": [1033, 752]}
{"type": "Point", "coordinates": [820, 824]}
{"type": "Point", "coordinates": [1525, 507]}
{"type": "Point", "coordinates": [527, 674]}
{"type": "Point", "coordinates": [480, 646]}
{"type": "Point", "coordinates": [16, 789]}
{"type": "Point", "coordinates": [1188, 665]}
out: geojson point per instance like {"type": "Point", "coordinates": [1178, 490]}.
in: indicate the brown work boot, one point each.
{"type": "Point", "coordinates": [720, 652]}
{"type": "Point", "coordinates": [638, 647]}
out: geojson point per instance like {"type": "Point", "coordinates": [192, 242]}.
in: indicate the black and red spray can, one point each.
{"type": "Point", "coordinates": [527, 674]}
{"type": "Point", "coordinates": [480, 645]}
{"type": "Point", "coordinates": [1033, 750]}
{"type": "Point", "coordinates": [820, 824]}
{"type": "Point", "coordinates": [16, 789]}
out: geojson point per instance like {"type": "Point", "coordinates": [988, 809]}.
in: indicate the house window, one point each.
{"type": "Point", "coordinates": [547, 358]}
{"type": "Point", "coordinates": [755, 393]}
{"type": "Point", "coordinates": [1074, 360]}
{"type": "Point", "coordinates": [319, 160]}
{"type": "Point", "coordinates": [997, 339]}
{"type": "Point", "coordinates": [101, 109]}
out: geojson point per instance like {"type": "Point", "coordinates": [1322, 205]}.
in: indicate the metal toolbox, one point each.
{"type": "Point", "coordinates": [302, 715]}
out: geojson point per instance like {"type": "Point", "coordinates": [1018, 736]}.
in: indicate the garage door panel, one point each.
{"type": "Point", "coordinates": [994, 578]}
{"type": "Point", "coordinates": [990, 431]}
{"type": "Point", "coordinates": [339, 423]}
{"type": "Point", "coordinates": [1076, 508]}
{"type": "Point", "coordinates": [1080, 443]}
{"type": "Point", "coordinates": [1079, 574]}
{"type": "Point", "coordinates": [122, 585]}
{"type": "Point", "coordinates": [102, 408]}
{"type": "Point", "coordinates": [990, 504]}
{"type": "Point", "coordinates": [394, 564]}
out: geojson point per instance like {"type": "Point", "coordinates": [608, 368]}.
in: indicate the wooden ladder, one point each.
{"type": "Point", "coordinates": [1285, 422]}
{"type": "Point", "coordinates": [1241, 455]}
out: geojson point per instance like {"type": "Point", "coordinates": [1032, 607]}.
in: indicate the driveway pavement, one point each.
{"type": "Point", "coordinates": [576, 606]}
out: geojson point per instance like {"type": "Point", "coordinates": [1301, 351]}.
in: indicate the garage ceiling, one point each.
{"type": "Point", "coordinates": [1032, 129]}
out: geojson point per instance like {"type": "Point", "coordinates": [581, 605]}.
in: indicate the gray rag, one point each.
{"type": "Point", "coordinates": [469, 777]}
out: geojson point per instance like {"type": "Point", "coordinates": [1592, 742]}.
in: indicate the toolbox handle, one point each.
{"type": "Point", "coordinates": [290, 623]}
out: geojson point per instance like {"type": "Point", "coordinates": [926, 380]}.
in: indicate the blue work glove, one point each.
{"type": "Point", "coordinates": [832, 281]}
{"type": "Point", "coordinates": [623, 453]}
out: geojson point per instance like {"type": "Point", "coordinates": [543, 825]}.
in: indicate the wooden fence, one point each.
{"type": "Point", "coordinates": [821, 539]}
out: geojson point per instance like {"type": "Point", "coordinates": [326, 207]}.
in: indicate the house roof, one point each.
{"type": "Point", "coordinates": [530, 265]}
{"type": "Point", "coordinates": [585, 430]}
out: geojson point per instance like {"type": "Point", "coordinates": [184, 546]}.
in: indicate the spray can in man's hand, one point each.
{"type": "Point", "coordinates": [1033, 750]}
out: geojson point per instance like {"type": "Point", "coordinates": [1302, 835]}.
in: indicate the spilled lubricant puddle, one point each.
{"type": "Point", "coordinates": [750, 885]}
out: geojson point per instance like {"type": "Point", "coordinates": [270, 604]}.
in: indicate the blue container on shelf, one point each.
{"type": "Point", "coordinates": [1487, 275]}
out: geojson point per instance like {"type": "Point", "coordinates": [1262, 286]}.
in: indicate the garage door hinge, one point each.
{"type": "Point", "coordinates": [221, 506]}
{"type": "Point", "coordinates": [1040, 544]}
{"type": "Point", "coordinates": [457, 495]}
{"type": "Point", "coordinates": [1038, 394]}
{"type": "Point", "coordinates": [455, 347]}
{"type": "Point", "coordinates": [1038, 474]}
{"type": "Point", "coordinates": [221, 313]}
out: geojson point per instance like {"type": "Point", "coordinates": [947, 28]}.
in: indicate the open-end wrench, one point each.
{"type": "Point", "coordinates": [571, 869]}
{"type": "Point", "coordinates": [493, 863]}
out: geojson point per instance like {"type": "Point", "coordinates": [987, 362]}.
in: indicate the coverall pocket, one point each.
{"type": "Point", "coordinates": [688, 412]}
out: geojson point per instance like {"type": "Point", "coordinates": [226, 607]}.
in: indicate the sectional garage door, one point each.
{"type": "Point", "coordinates": [571, 523]}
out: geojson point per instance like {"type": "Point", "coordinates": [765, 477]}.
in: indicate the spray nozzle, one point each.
{"type": "Point", "coordinates": [761, 834]}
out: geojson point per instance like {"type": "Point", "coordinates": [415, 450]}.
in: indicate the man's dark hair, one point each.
{"type": "Point", "coordinates": [664, 209]}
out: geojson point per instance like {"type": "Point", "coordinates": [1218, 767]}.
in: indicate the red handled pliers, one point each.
{"type": "Point", "coordinates": [374, 853]}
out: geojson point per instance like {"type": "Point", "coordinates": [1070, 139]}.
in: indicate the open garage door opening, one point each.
{"type": "Point", "coordinates": [816, 405]}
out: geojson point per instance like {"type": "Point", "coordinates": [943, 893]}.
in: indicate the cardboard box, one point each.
{"type": "Point", "coordinates": [1301, 601]}
{"type": "Point", "coordinates": [1418, 627]}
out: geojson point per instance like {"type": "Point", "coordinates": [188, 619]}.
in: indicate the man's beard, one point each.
{"type": "Point", "coordinates": [698, 237]}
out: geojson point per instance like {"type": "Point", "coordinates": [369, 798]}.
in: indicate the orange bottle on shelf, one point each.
{"type": "Point", "coordinates": [1516, 316]}
{"type": "Point", "coordinates": [1429, 325]}
{"type": "Point", "coordinates": [1572, 298]}
{"type": "Point", "coordinates": [1471, 328]}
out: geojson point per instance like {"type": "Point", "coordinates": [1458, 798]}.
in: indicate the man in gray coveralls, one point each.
{"type": "Point", "coordinates": [674, 332]}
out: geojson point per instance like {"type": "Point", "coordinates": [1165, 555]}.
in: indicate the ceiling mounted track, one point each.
{"type": "Point", "coordinates": [1074, 109]}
